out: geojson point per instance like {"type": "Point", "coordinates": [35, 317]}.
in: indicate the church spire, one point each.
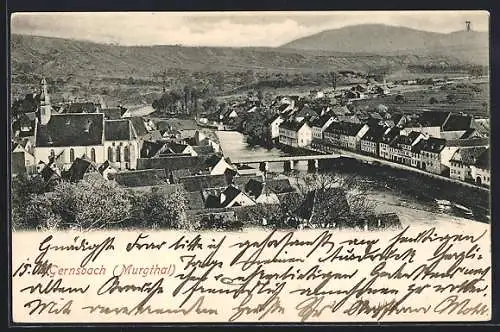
{"type": "Point", "coordinates": [45, 107]}
{"type": "Point", "coordinates": [44, 96]}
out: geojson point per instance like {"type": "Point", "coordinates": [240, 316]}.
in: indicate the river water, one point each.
{"type": "Point", "coordinates": [407, 195]}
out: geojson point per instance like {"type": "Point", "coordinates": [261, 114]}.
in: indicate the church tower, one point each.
{"type": "Point", "coordinates": [45, 107]}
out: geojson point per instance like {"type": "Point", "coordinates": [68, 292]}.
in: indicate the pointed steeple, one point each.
{"type": "Point", "coordinates": [45, 107]}
{"type": "Point", "coordinates": [44, 95]}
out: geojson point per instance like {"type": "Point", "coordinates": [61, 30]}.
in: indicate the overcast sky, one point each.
{"type": "Point", "coordinates": [226, 28]}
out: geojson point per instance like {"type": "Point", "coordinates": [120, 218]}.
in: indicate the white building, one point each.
{"type": "Point", "coordinates": [295, 134]}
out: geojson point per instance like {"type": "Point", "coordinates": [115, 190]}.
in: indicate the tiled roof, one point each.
{"type": "Point", "coordinates": [139, 126]}
{"type": "Point", "coordinates": [112, 113]}
{"type": "Point", "coordinates": [280, 186]}
{"type": "Point", "coordinates": [118, 130]}
{"type": "Point", "coordinates": [433, 118]}
{"type": "Point", "coordinates": [171, 163]}
{"type": "Point", "coordinates": [198, 182]}
{"type": "Point", "coordinates": [292, 125]}
{"type": "Point", "coordinates": [321, 121]}
{"type": "Point", "coordinates": [139, 178]}
{"type": "Point", "coordinates": [195, 200]}
{"type": "Point", "coordinates": [388, 137]}
{"type": "Point", "coordinates": [79, 167]}
{"type": "Point", "coordinates": [432, 144]}
{"type": "Point", "coordinates": [199, 149]}
{"type": "Point", "coordinates": [468, 155]}
{"type": "Point", "coordinates": [483, 160]}
{"type": "Point", "coordinates": [344, 128]}
{"type": "Point", "coordinates": [85, 107]}
{"type": "Point", "coordinates": [71, 130]}
{"type": "Point", "coordinates": [458, 122]}
{"type": "Point", "coordinates": [151, 149]}
{"type": "Point", "coordinates": [374, 133]}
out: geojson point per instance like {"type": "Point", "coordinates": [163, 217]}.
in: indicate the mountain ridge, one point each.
{"type": "Point", "coordinates": [386, 39]}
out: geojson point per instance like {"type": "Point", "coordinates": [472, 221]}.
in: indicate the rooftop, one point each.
{"type": "Point", "coordinates": [71, 130]}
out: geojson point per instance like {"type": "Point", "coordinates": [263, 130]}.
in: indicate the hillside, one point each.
{"type": "Point", "coordinates": [62, 57]}
{"type": "Point", "coordinates": [382, 39]}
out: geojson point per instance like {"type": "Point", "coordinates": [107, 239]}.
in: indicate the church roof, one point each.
{"type": "Point", "coordinates": [71, 130]}
{"type": "Point", "coordinates": [118, 130]}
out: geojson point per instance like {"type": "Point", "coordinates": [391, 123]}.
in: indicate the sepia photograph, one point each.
{"type": "Point", "coordinates": [359, 138]}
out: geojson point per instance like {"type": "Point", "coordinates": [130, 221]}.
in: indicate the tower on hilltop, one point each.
{"type": "Point", "coordinates": [467, 26]}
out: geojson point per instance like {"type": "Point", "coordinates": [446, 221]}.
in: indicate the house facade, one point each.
{"type": "Point", "coordinates": [275, 126]}
{"type": "Point", "coordinates": [462, 161]}
{"type": "Point", "coordinates": [295, 134]}
{"type": "Point", "coordinates": [320, 124]}
{"type": "Point", "coordinates": [345, 135]}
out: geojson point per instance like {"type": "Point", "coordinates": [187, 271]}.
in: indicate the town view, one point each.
{"type": "Point", "coordinates": [367, 126]}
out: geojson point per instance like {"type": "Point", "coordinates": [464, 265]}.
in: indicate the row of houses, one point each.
{"type": "Point", "coordinates": [430, 141]}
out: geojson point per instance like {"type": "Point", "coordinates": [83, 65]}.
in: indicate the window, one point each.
{"type": "Point", "coordinates": [126, 154]}
{"type": "Point", "coordinates": [118, 154]}
{"type": "Point", "coordinates": [110, 154]}
{"type": "Point", "coordinates": [92, 154]}
{"type": "Point", "coordinates": [71, 155]}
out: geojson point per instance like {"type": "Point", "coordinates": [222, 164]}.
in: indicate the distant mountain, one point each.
{"type": "Point", "coordinates": [383, 39]}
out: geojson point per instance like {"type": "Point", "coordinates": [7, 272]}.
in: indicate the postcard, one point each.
{"type": "Point", "coordinates": [250, 167]}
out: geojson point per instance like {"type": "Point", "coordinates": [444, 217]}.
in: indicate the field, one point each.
{"type": "Point", "coordinates": [473, 101]}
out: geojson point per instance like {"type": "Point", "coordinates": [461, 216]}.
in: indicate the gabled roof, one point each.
{"type": "Point", "coordinates": [139, 126]}
{"type": "Point", "coordinates": [344, 128]}
{"type": "Point", "coordinates": [321, 121]}
{"type": "Point", "coordinates": [433, 118]}
{"type": "Point", "coordinates": [254, 187]}
{"type": "Point", "coordinates": [79, 167]}
{"type": "Point", "coordinates": [200, 149]}
{"type": "Point", "coordinates": [139, 178]}
{"type": "Point", "coordinates": [391, 135]}
{"type": "Point", "coordinates": [118, 130]}
{"type": "Point", "coordinates": [176, 147]}
{"type": "Point", "coordinates": [151, 149]}
{"type": "Point", "coordinates": [292, 125]}
{"type": "Point", "coordinates": [432, 144]}
{"type": "Point", "coordinates": [171, 163]}
{"type": "Point", "coordinates": [198, 182]}
{"type": "Point", "coordinates": [468, 155]}
{"type": "Point", "coordinates": [374, 133]}
{"type": "Point", "coordinates": [483, 160]}
{"type": "Point", "coordinates": [195, 200]}
{"type": "Point", "coordinates": [280, 186]}
{"type": "Point", "coordinates": [84, 107]}
{"type": "Point", "coordinates": [457, 122]}
{"type": "Point", "coordinates": [71, 130]}
{"type": "Point", "coordinates": [112, 113]}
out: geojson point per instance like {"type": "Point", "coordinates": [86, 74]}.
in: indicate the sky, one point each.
{"type": "Point", "coordinates": [235, 29]}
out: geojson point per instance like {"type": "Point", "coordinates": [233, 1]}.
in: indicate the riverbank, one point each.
{"type": "Point", "coordinates": [411, 195]}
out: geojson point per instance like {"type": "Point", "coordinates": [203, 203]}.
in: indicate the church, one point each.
{"type": "Point", "coordinates": [64, 137]}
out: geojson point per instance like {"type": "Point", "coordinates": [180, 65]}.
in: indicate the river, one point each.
{"type": "Point", "coordinates": [407, 195]}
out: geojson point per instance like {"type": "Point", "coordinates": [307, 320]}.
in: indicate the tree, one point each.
{"type": "Point", "coordinates": [433, 100]}
{"type": "Point", "coordinates": [399, 99]}
{"type": "Point", "coordinates": [210, 104]}
{"type": "Point", "coordinates": [161, 210]}
{"type": "Point", "coordinates": [89, 204]}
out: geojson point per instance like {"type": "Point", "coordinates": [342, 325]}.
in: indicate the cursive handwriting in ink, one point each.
{"type": "Point", "coordinates": [94, 249]}
{"type": "Point", "coordinates": [51, 307]}
{"type": "Point", "coordinates": [140, 309]}
{"type": "Point", "coordinates": [54, 287]}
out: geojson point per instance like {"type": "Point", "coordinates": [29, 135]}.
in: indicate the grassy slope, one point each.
{"type": "Point", "coordinates": [63, 57]}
